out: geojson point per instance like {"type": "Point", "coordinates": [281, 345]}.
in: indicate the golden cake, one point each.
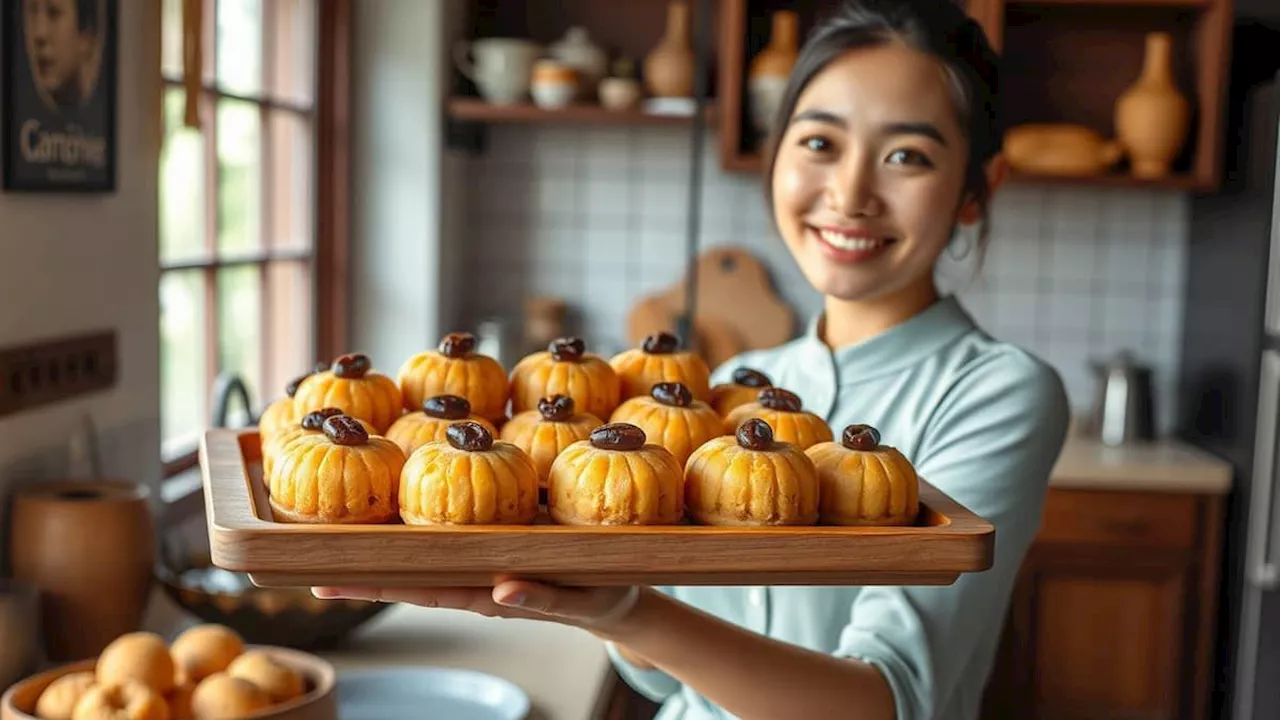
{"type": "Point", "coordinates": [354, 387]}
{"type": "Point", "coordinates": [311, 423]}
{"type": "Point", "coordinates": [58, 700]}
{"type": "Point", "coordinates": [282, 414]}
{"type": "Point", "coordinates": [545, 432]}
{"type": "Point", "coordinates": [565, 368]}
{"type": "Point", "coordinates": [788, 419]}
{"type": "Point", "coordinates": [227, 697]}
{"type": "Point", "coordinates": [124, 700]}
{"type": "Point", "coordinates": [205, 649]}
{"type": "Point", "coordinates": [140, 656]}
{"type": "Point", "coordinates": [342, 475]}
{"type": "Point", "coordinates": [455, 368]}
{"type": "Point", "coordinates": [743, 388]}
{"type": "Point", "coordinates": [659, 359]}
{"type": "Point", "coordinates": [615, 477]}
{"type": "Point", "coordinates": [863, 482]}
{"type": "Point", "coordinates": [413, 430]}
{"type": "Point", "coordinates": [280, 681]}
{"type": "Point", "coordinates": [469, 479]}
{"type": "Point", "coordinates": [671, 417]}
{"type": "Point", "coordinates": [750, 478]}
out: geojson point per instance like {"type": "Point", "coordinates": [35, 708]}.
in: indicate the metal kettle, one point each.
{"type": "Point", "coordinates": [1123, 406]}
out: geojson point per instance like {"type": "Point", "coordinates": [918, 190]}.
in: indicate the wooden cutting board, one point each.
{"type": "Point", "coordinates": [737, 307]}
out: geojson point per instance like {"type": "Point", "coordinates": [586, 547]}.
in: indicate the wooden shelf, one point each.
{"type": "Point", "coordinates": [477, 110]}
{"type": "Point", "coordinates": [1172, 182]}
{"type": "Point", "coordinates": [753, 163]}
{"type": "Point", "coordinates": [1074, 58]}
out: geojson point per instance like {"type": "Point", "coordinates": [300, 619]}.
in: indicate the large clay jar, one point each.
{"type": "Point", "coordinates": [668, 68]}
{"type": "Point", "coordinates": [1152, 116]}
{"type": "Point", "coordinates": [767, 77]}
{"type": "Point", "coordinates": [89, 548]}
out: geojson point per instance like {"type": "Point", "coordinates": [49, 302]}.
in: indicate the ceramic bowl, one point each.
{"type": "Point", "coordinates": [319, 702]}
{"type": "Point", "coordinates": [288, 617]}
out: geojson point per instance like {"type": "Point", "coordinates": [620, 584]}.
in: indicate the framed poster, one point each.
{"type": "Point", "coordinates": [58, 95]}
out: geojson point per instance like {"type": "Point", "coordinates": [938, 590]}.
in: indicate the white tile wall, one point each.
{"type": "Point", "coordinates": [598, 216]}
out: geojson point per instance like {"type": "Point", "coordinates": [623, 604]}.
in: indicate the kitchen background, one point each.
{"type": "Point", "coordinates": [596, 216]}
{"type": "Point", "coordinates": [442, 239]}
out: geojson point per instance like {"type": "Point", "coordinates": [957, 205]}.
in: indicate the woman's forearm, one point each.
{"type": "Point", "coordinates": [749, 675]}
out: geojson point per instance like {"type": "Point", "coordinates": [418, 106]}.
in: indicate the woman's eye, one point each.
{"type": "Point", "coordinates": [909, 157]}
{"type": "Point", "coordinates": [816, 143]}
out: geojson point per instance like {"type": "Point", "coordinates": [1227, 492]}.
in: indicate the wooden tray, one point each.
{"type": "Point", "coordinates": [947, 541]}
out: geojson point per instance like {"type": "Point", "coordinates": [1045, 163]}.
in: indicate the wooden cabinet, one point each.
{"type": "Point", "coordinates": [1113, 614]}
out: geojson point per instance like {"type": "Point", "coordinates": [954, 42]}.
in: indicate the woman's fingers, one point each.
{"type": "Point", "coordinates": [588, 607]}
{"type": "Point", "coordinates": [594, 607]}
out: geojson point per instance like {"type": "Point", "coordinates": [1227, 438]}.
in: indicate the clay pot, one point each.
{"type": "Point", "coordinates": [767, 77]}
{"type": "Point", "coordinates": [89, 547]}
{"type": "Point", "coordinates": [1152, 116]}
{"type": "Point", "coordinates": [668, 68]}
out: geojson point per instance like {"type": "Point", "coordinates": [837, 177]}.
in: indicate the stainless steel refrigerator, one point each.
{"type": "Point", "coordinates": [1230, 374]}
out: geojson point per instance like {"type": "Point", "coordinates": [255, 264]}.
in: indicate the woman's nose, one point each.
{"type": "Point", "coordinates": [851, 190]}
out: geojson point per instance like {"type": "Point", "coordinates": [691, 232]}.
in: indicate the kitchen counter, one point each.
{"type": "Point", "coordinates": [565, 671]}
{"type": "Point", "coordinates": [1163, 465]}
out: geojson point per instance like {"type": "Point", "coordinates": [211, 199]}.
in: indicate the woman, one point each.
{"type": "Point", "coordinates": [886, 143]}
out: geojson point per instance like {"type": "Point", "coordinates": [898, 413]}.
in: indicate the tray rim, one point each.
{"type": "Point", "coordinates": [239, 537]}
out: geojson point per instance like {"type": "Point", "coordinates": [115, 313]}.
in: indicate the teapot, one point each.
{"type": "Point", "coordinates": [1123, 409]}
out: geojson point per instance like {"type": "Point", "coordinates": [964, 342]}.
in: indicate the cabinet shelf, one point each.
{"type": "Point", "coordinates": [475, 109]}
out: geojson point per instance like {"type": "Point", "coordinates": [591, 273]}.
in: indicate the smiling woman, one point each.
{"type": "Point", "coordinates": [887, 141]}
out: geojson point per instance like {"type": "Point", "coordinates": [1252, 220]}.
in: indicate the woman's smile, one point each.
{"type": "Point", "coordinates": [848, 244]}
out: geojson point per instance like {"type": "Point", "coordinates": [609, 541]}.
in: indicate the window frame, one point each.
{"type": "Point", "coordinates": [329, 254]}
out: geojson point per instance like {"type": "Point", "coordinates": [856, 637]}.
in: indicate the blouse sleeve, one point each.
{"type": "Point", "coordinates": [990, 445]}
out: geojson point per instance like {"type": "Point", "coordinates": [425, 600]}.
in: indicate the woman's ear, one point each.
{"type": "Point", "coordinates": [997, 170]}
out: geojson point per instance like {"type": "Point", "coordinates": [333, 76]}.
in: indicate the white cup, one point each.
{"type": "Point", "coordinates": [500, 67]}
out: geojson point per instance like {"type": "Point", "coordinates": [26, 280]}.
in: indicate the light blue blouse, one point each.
{"type": "Point", "coordinates": [984, 422]}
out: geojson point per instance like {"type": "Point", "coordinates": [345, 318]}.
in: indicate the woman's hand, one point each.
{"type": "Point", "coordinates": [595, 609]}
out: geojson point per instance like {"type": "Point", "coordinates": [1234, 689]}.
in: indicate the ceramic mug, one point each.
{"type": "Point", "coordinates": [501, 68]}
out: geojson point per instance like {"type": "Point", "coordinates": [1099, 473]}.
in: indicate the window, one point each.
{"type": "Point", "coordinates": [242, 241]}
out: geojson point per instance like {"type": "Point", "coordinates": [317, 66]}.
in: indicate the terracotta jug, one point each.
{"type": "Point", "coordinates": [668, 68]}
{"type": "Point", "coordinates": [89, 548]}
{"type": "Point", "coordinates": [767, 77]}
{"type": "Point", "coordinates": [1152, 116]}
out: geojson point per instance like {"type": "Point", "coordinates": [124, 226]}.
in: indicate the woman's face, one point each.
{"type": "Point", "coordinates": [54, 41]}
{"type": "Point", "coordinates": [869, 172]}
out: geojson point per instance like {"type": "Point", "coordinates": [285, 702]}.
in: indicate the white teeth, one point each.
{"type": "Point", "coordinates": [844, 242]}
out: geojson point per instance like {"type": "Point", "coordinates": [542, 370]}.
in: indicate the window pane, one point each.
{"type": "Point", "coordinates": [183, 396]}
{"type": "Point", "coordinates": [240, 177]}
{"type": "Point", "coordinates": [292, 180]}
{"type": "Point", "coordinates": [240, 46]}
{"type": "Point", "coordinates": [289, 325]}
{"type": "Point", "coordinates": [171, 39]}
{"type": "Point", "coordinates": [293, 55]}
{"type": "Point", "coordinates": [181, 184]}
{"type": "Point", "coordinates": [240, 332]}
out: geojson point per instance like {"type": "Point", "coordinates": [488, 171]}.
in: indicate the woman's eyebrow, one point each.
{"type": "Point", "coordinates": [924, 129]}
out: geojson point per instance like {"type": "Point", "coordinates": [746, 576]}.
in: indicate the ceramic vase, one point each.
{"type": "Point", "coordinates": [89, 548]}
{"type": "Point", "coordinates": [668, 68]}
{"type": "Point", "coordinates": [767, 76]}
{"type": "Point", "coordinates": [1152, 116]}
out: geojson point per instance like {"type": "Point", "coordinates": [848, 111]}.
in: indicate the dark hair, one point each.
{"type": "Point", "coordinates": [87, 16]}
{"type": "Point", "coordinates": [937, 27]}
